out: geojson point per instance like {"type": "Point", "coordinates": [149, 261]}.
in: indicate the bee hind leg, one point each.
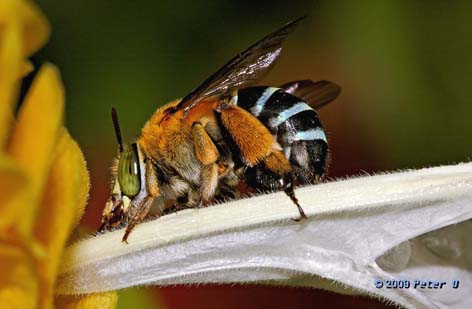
{"type": "Point", "coordinates": [279, 165]}
{"type": "Point", "coordinates": [291, 194]}
{"type": "Point", "coordinates": [258, 145]}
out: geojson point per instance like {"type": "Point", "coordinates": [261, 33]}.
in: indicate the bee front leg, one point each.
{"type": "Point", "coordinates": [138, 217]}
{"type": "Point", "coordinates": [140, 211]}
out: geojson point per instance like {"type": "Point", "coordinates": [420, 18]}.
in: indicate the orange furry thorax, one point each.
{"type": "Point", "coordinates": [164, 131]}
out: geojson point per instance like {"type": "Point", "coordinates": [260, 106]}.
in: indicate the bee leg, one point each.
{"type": "Point", "coordinates": [208, 184]}
{"type": "Point", "coordinates": [141, 210]}
{"type": "Point", "coordinates": [174, 206]}
{"type": "Point", "coordinates": [182, 203]}
{"type": "Point", "coordinates": [278, 164]}
{"type": "Point", "coordinates": [252, 138]}
{"type": "Point", "coordinates": [291, 194]}
{"type": "Point", "coordinates": [257, 144]}
{"type": "Point", "coordinates": [138, 217]}
{"type": "Point", "coordinates": [205, 149]}
{"type": "Point", "coordinates": [207, 154]}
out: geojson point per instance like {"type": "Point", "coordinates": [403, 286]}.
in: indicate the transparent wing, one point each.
{"type": "Point", "coordinates": [245, 69]}
{"type": "Point", "coordinates": [316, 94]}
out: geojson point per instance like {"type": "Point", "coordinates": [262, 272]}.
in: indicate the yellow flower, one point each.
{"type": "Point", "coordinates": [44, 182]}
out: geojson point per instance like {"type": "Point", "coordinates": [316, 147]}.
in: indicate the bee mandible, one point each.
{"type": "Point", "coordinates": [224, 132]}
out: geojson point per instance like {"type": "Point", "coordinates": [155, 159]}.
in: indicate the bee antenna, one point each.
{"type": "Point", "coordinates": [116, 125]}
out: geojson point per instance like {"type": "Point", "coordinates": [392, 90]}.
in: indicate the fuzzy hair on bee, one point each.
{"type": "Point", "coordinates": [227, 132]}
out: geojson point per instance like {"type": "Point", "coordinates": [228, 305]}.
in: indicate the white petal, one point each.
{"type": "Point", "coordinates": [352, 224]}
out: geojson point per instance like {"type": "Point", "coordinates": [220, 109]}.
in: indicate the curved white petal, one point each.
{"type": "Point", "coordinates": [358, 230]}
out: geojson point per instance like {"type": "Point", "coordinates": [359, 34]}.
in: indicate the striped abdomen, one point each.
{"type": "Point", "coordinates": [294, 124]}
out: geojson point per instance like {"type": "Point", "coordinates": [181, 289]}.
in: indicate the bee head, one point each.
{"type": "Point", "coordinates": [127, 183]}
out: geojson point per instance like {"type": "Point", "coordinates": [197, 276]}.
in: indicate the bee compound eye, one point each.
{"type": "Point", "coordinates": [129, 172]}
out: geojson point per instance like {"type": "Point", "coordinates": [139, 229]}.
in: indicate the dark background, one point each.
{"type": "Point", "coordinates": [404, 67]}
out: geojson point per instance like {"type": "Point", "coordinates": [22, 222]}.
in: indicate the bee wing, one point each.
{"type": "Point", "coordinates": [245, 69]}
{"type": "Point", "coordinates": [316, 94]}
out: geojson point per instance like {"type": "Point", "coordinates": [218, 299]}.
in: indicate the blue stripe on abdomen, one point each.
{"type": "Point", "coordinates": [312, 134]}
{"type": "Point", "coordinates": [295, 126]}
{"type": "Point", "coordinates": [259, 106]}
{"type": "Point", "coordinates": [253, 99]}
{"type": "Point", "coordinates": [288, 113]}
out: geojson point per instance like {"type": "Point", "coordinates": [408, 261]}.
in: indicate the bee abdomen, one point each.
{"type": "Point", "coordinates": [294, 124]}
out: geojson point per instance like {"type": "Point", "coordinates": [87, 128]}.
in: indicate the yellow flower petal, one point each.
{"type": "Point", "coordinates": [12, 184]}
{"type": "Point", "coordinates": [106, 300]}
{"type": "Point", "coordinates": [43, 189]}
{"type": "Point", "coordinates": [10, 47]}
{"type": "Point", "coordinates": [23, 30]}
{"type": "Point", "coordinates": [35, 28]}
{"type": "Point", "coordinates": [26, 67]}
{"type": "Point", "coordinates": [62, 206]}
{"type": "Point", "coordinates": [33, 139]}
{"type": "Point", "coordinates": [18, 287]}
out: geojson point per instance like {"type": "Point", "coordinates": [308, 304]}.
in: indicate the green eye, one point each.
{"type": "Point", "coordinates": [128, 171]}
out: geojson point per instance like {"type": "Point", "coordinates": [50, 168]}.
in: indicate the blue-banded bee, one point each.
{"type": "Point", "coordinates": [227, 131]}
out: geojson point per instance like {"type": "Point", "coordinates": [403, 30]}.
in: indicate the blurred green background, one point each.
{"type": "Point", "coordinates": [405, 68]}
